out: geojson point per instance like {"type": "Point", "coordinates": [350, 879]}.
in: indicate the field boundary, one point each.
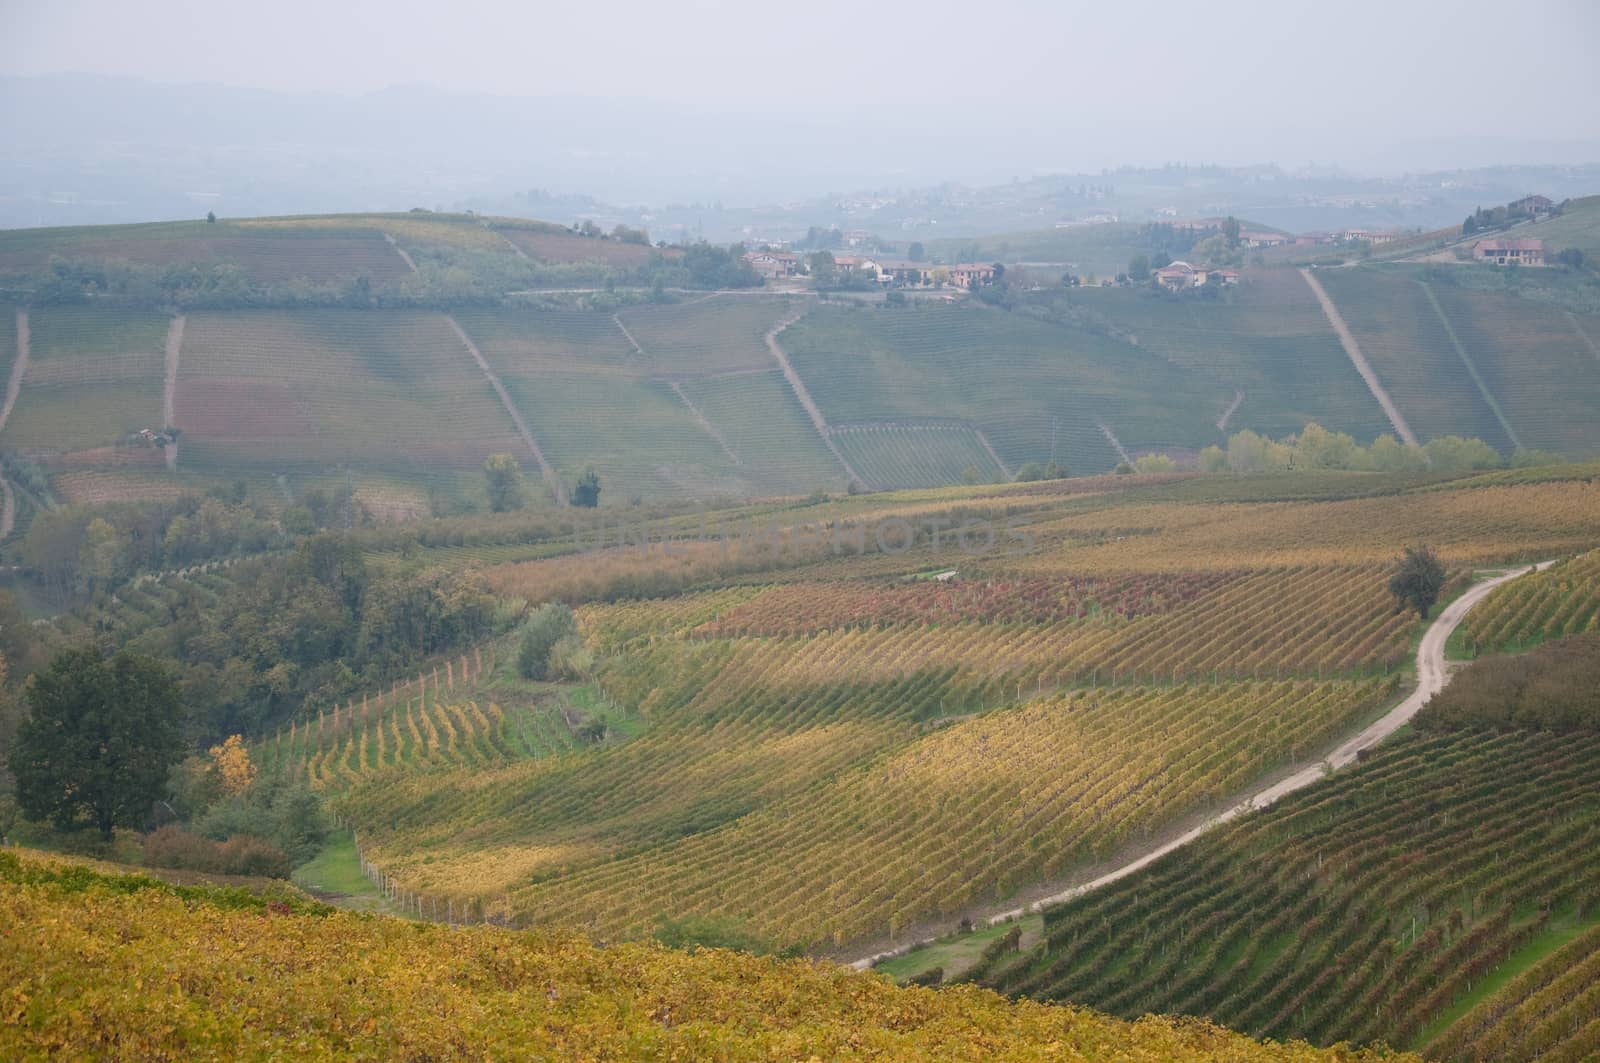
{"type": "Point", "coordinates": [798, 386]}
{"type": "Point", "coordinates": [1432, 675]}
{"type": "Point", "coordinates": [1116, 444]}
{"type": "Point", "coordinates": [402, 252]}
{"type": "Point", "coordinates": [1577, 326]}
{"type": "Point", "coordinates": [700, 419]}
{"type": "Point", "coordinates": [1353, 349]}
{"type": "Point", "coordinates": [18, 368]}
{"type": "Point", "coordinates": [170, 385]}
{"type": "Point", "coordinates": [1472, 369]}
{"type": "Point", "coordinates": [545, 469]}
{"type": "Point", "coordinates": [1227, 415]}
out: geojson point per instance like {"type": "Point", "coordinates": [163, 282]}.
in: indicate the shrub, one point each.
{"type": "Point", "coordinates": [548, 625]}
{"type": "Point", "coordinates": [243, 854]}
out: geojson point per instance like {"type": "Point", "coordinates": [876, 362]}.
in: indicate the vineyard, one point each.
{"type": "Point", "coordinates": [1036, 389]}
{"type": "Point", "coordinates": [1409, 348]}
{"type": "Point", "coordinates": [394, 391]}
{"type": "Point", "coordinates": [1272, 342]}
{"type": "Point", "coordinates": [269, 255]}
{"type": "Point", "coordinates": [1376, 906]}
{"type": "Point", "coordinates": [1562, 600]}
{"type": "Point", "coordinates": [348, 985]}
{"type": "Point", "coordinates": [932, 455]}
{"type": "Point", "coordinates": [94, 376]}
{"type": "Point", "coordinates": [719, 334]}
{"type": "Point", "coordinates": [777, 446]}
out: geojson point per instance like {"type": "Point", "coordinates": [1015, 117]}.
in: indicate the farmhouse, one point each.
{"type": "Point", "coordinates": [1258, 238]}
{"type": "Point", "coordinates": [854, 264]}
{"type": "Point", "coordinates": [774, 264]}
{"type": "Point", "coordinates": [1538, 206]}
{"type": "Point", "coordinates": [1509, 252]}
{"type": "Point", "coordinates": [1177, 276]}
{"type": "Point", "coordinates": [971, 275]}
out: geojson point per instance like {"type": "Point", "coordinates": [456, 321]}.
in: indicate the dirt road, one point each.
{"type": "Point", "coordinates": [489, 374]}
{"type": "Point", "coordinates": [1431, 678]}
{"type": "Point", "coordinates": [18, 369]}
{"type": "Point", "coordinates": [1359, 360]}
{"type": "Point", "coordinates": [169, 389]}
{"type": "Point", "coordinates": [798, 386]}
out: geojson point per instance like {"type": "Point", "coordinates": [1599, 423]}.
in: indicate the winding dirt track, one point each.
{"type": "Point", "coordinates": [18, 368]}
{"type": "Point", "coordinates": [1359, 360]}
{"type": "Point", "coordinates": [1431, 678]}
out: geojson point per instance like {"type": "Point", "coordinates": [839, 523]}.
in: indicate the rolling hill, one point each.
{"type": "Point", "coordinates": [391, 353]}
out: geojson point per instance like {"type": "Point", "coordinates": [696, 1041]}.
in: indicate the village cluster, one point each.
{"type": "Point", "coordinates": [775, 262]}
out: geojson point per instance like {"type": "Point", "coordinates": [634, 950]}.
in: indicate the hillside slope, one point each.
{"type": "Point", "coordinates": [1389, 903]}
{"type": "Point", "coordinates": [125, 967]}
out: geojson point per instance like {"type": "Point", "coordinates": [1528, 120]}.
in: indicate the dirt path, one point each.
{"type": "Point", "coordinates": [511, 244]}
{"type": "Point", "coordinates": [170, 388]}
{"type": "Point", "coordinates": [8, 508]}
{"type": "Point", "coordinates": [983, 438]}
{"type": "Point", "coordinates": [1577, 326]}
{"type": "Point", "coordinates": [412, 266]}
{"type": "Point", "coordinates": [798, 386]}
{"type": "Point", "coordinates": [710, 429]}
{"type": "Point", "coordinates": [545, 470]}
{"type": "Point", "coordinates": [18, 369]}
{"type": "Point", "coordinates": [1472, 368]}
{"type": "Point", "coordinates": [1432, 675]}
{"type": "Point", "coordinates": [1116, 444]}
{"type": "Point", "coordinates": [636, 348]}
{"type": "Point", "coordinates": [1227, 415]}
{"type": "Point", "coordinates": [1359, 360]}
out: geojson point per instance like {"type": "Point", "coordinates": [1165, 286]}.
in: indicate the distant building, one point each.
{"type": "Point", "coordinates": [1177, 276]}
{"type": "Point", "coordinates": [971, 275]}
{"type": "Point", "coordinates": [1258, 238]}
{"type": "Point", "coordinates": [1312, 239]}
{"type": "Point", "coordinates": [854, 264]}
{"type": "Point", "coordinates": [856, 237]}
{"type": "Point", "coordinates": [1509, 252]}
{"type": "Point", "coordinates": [1535, 205]}
{"type": "Point", "coordinates": [774, 264]}
{"type": "Point", "coordinates": [1371, 236]}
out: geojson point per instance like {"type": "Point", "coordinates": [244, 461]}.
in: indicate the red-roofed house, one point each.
{"type": "Point", "coordinates": [1510, 252]}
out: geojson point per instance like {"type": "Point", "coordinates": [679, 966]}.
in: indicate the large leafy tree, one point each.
{"type": "Point", "coordinates": [1417, 580]}
{"type": "Point", "coordinates": [100, 740]}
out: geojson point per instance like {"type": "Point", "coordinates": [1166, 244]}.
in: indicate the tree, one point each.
{"type": "Point", "coordinates": [1230, 230]}
{"type": "Point", "coordinates": [1469, 226]}
{"type": "Point", "coordinates": [1417, 580]}
{"type": "Point", "coordinates": [587, 493]}
{"type": "Point", "coordinates": [504, 476]}
{"type": "Point", "coordinates": [916, 252]}
{"type": "Point", "coordinates": [821, 266]}
{"type": "Point", "coordinates": [100, 741]}
{"type": "Point", "coordinates": [549, 625]}
{"type": "Point", "coordinates": [1139, 269]}
{"type": "Point", "coordinates": [211, 217]}
{"type": "Point", "coordinates": [231, 763]}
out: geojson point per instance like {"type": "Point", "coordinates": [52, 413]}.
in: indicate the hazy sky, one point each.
{"type": "Point", "coordinates": [1351, 82]}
